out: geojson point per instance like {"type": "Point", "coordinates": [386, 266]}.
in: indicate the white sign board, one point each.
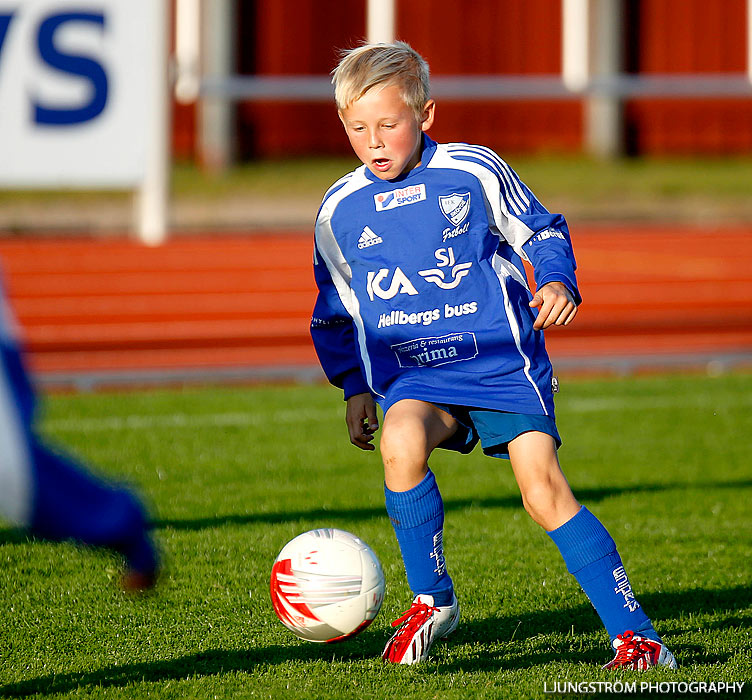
{"type": "Point", "coordinates": [77, 91]}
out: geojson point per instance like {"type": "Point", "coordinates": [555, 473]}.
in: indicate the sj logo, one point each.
{"type": "Point", "coordinates": [445, 258]}
{"type": "Point", "coordinates": [400, 284]}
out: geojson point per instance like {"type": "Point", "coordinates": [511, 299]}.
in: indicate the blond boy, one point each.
{"type": "Point", "coordinates": [424, 308]}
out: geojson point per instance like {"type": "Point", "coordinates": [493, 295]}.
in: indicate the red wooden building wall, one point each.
{"type": "Point", "coordinates": [687, 36]}
{"type": "Point", "coordinates": [512, 37]}
{"type": "Point", "coordinates": [293, 37]}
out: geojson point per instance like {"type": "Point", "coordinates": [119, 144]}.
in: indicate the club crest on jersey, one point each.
{"type": "Point", "coordinates": [399, 197]}
{"type": "Point", "coordinates": [455, 207]}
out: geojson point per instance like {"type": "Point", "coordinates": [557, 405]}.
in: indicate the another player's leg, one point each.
{"type": "Point", "coordinates": [53, 497]}
{"type": "Point", "coordinates": [71, 503]}
{"type": "Point", "coordinates": [588, 550]}
{"type": "Point", "coordinates": [411, 430]}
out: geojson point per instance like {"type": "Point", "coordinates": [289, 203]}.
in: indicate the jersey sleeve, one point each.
{"type": "Point", "coordinates": [518, 218]}
{"type": "Point", "coordinates": [551, 255]}
{"type": "Point", "coordinates": [333, 333]}
{"type": "Point", "coordinates": [538, 236]}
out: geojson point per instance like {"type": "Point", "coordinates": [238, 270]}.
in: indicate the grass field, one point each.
{"type": "Point", "coordinates": [232, 474]}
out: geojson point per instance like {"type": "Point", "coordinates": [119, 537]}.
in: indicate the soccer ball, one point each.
{"type": "Point", "coordinates": [327, 585]}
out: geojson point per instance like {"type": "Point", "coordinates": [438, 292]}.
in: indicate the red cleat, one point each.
{"type": "Point", "coordinates": [640, 653]}
{"type": "Point", "coordinates": [420, 627]}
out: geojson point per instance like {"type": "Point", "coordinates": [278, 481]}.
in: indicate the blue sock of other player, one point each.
{"type": "Point", "coordinates": [591, 557]}
{"type": "Point", "coordinates": [70, 503]}
{"type": "Point", "coordinates": [418, 519]}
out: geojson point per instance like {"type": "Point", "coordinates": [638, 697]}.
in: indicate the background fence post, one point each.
{"type": "Point", "coordinates": [604, 120]}
{"type": "Point", "coordinates": [215, 114]}
{"type": "Point", "coordinates": [151, 198]}
{"type": "Point", "coordinates": [380, 21]}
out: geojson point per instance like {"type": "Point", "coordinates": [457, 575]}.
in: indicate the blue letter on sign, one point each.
{"type": "Point", "coordinates": [4, 24]}
{"type": "Point", "coordinates": [75, 65]}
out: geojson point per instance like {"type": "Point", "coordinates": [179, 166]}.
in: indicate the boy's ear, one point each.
{"type": "Point", "coordinates": [426, 120]}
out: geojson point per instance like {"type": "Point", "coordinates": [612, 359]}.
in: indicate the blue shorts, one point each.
{"type": "Point", "coordinates": [494, 429]}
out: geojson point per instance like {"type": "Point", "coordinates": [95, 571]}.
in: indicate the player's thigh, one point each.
{"type": "Point", "coordinates": [412, 429]}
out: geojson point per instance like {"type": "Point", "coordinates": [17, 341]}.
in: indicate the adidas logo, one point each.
{"type": "Point", "coordinates": [368, 238]}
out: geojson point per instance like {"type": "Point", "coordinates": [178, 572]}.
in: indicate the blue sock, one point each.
{"type": "Point", "coordinates": [417, 516]}
{"type": "Point", "coordinates": [591, 557]}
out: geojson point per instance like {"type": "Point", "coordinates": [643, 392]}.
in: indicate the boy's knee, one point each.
{"type": "Point", "coordinates": [403, 451]}
{"type": "Point", "coordinates": [538, 505]}
{"type": "Point", "coordinates": [400, 442]}
{"type": "Point", "coordinates": [549, 503]}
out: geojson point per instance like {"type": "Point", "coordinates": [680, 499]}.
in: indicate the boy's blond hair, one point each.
{"type": "Point", "coordinates": [369, 65]}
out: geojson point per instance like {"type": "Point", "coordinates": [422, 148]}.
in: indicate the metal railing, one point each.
{"type": "Point", "coordinates": [316, 88]}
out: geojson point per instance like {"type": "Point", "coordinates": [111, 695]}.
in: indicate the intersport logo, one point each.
{"type": "Point", "coordinates": [399, 197]}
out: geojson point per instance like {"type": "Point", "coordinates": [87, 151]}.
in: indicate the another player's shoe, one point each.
{"type": "Point", "coordinates": [419, 628]}
{"type": "Point", "coordinates": [141, 563]}
{"type": "Point", "coordinates": [640, 653]}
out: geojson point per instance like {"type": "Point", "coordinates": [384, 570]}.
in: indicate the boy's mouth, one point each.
{"type": "Point", "coordinates": [381, 164]}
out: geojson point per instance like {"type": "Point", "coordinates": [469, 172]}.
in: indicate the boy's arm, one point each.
{"type": "Point", "coordinates": [556, 296]}
{"type": "Point", "coordinates": [362, 421]}
{"type": "Point", "coordinates": [334, 340]}
{"type": "Point", "coordinates": [543, 240]}
{"type": "Point", "coordinates": [333, 335]}
{"type": "Point", "coordinates": [555, 304]}
{"type": "Point", "coordinates": [550, 253]}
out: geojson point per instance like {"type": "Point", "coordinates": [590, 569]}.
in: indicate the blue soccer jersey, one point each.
{"type": "Point", "coordinates": [422, 289]}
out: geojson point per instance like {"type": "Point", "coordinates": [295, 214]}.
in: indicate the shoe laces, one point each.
{"type": "Point", "coordinates": [630, 648]}
{"type": "Point", "coordinates": [414, 617]}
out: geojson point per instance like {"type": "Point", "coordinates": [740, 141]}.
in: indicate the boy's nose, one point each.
{"type": "Point", "coordinates": [374, 141]}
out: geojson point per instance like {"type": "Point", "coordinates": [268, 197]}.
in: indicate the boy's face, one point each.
{"type": "Point", "coordinates": [384, 132]}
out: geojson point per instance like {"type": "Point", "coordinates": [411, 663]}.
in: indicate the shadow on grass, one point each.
{"type": "Point", "coordinates": [507, 632]}
{"type": "Point", "coordinates": [671, 608]}
{"type": "Point", "coordinates": [585, 495]}
{"type": "Point", "coordinates": [212, 662]}
{"type": "Point", "coordinates": [15, 536]}
{"type": "Point", "coordinates": [316, 515]}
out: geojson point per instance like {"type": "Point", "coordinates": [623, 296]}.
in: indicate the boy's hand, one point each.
{"type": "Point", "coordinates": [555, 305]}
{"type": "Point", "coordinates": [361, 420]}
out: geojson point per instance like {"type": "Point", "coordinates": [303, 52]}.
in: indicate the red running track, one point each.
{"type": "Point", "coordinates": [654, 296]}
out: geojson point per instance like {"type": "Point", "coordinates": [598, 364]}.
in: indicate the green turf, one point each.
{"type": "Point", "coordinates": [232, 474]}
